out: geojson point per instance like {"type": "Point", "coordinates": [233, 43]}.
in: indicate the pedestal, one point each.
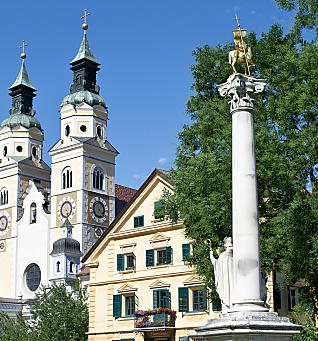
{"type": "Point", "coordinates": [249, 326]}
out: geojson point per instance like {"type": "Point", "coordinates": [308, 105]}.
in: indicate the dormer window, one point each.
{"type": "Point", "coordinates": [4, 196]}
{"type": "Point", "coordinates": [67, 178]}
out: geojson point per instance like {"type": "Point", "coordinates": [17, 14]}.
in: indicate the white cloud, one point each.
{"type": "Point", "coordinates": [253, 11]}
{"type": "Point", "coordinates": [162, 160]}
{"type": "Point", "coordinates": [137, 176]}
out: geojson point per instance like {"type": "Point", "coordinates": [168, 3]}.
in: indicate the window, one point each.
{"type": "Point", "coordinates": [129, 305]}
{"type": "Point", "coordinates": [129, 301]}
{"type": "Point", "coordinates": [291, 298]}
{"type": "Point", "coordinates": [5, 151]}
{"type": "Point", "coordinates": [4, 196]}
{"type": "Point", "coordinates": [19, 149]}
{"type": "Point", "coordinates": [72, 267]}
{"type": "Point", "coordinates": [192, 299]}
{"type": "Point", "coordinates": [33, 277]}
{"type": "Point", "coordinates": [139, 221]}
{"type": "Point", "coordinates": [58, 266]}
{"type": "Point", "coordinates": [125, 261]}
{"type": "Point", "coordinates": [34, 151]}
{"type": "Point", "coordinates": [185, 252]}
{"type": "Point", "coordinates": [161, 299]}
{"type": "Point", "coordinates": [67, 130]}
{"type": "Point", "coordinates": [67, 178]}
{"type": "Point", "coordinates": [163, 256]}
{"type": "Point", "coordinates": [98, 178]}
{"type": "Point", "coordinates": [198, 300]}
{"type": "Point", "coordinates": [159, 212]}
{"type": "Point", "coordinates": [99, 132]}
{"type": "Point", "coordinates": [33, 213]}
{"type": "Point", "coordinates": [83, 128]}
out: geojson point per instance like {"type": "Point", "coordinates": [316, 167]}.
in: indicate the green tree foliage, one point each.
{"type": "Point", "coordinates": [306, 13]}
{"type": "Point", "coordinates": [58, 314]}
{"type": "Point", "coordinates": [286, 141]}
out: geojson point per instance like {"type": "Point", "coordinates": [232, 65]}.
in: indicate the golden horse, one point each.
{"type": "Point", "coordinates": [238, 56]}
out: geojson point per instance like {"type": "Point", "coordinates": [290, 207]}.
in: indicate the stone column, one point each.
{"type": "Point", "coordinates": [241, 91]}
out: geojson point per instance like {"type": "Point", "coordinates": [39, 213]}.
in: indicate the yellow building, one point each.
{"type": "Point", "coordinates": [141, 286]}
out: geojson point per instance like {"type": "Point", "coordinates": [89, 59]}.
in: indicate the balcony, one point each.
{"type": "Point", "coordinates": [157, 319]}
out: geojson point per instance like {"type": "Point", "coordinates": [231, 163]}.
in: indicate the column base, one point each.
{"type": "Point", "coordinates": [249, 305]}
{"type": "Point", "coordinates": [249, 326]}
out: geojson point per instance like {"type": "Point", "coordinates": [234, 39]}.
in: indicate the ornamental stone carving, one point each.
{"type": "Point", "coordinates": [241, 90]}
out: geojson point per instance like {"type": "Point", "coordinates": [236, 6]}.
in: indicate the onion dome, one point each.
{"type": "Point", "coordinates": [84, 87]}
{"type": "Point", "coordinates": [68, 246]}
{"type": "Point", "coordinates": [22, 93]}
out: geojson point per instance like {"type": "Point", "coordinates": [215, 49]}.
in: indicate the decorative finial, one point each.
{"type": "Point", "coordinates": [242, 53]}
{"type": "Point", "coordinates": [23, 55]}
{"type": "Point", "coordinates": [85, 26]}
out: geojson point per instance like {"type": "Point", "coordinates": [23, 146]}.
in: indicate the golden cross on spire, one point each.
{"type": "Point", "coordinates": [85, 26]}
{"type": "Point", "coordinates": [237, 20]}
{"type": "Point", "coordinates": [23, 55]}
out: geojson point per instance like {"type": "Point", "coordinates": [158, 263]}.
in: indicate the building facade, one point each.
{"type": "Point", "coordinates": [50, 217]}
{"type": "Point", "coordinates": [141, 285]}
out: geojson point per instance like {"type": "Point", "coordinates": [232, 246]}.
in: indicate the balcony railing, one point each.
{"type": "Point", "coordinates": [159, 318]}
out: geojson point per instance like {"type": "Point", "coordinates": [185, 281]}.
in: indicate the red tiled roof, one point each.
{"type": "Point", "coordinates": [85, 271]}
{"type": "Point", "coordinates": [124, 193]}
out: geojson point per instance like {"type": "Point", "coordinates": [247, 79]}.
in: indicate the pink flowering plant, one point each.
{"type": "Point", "coordinates": [158, 317]}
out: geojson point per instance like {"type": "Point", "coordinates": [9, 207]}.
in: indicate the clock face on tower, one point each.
{"type": "Point", "coordinates": [4, 222]}
{"type": "Point", "coordinates": [66, 208]}
{"type": "Point", "coordinates": [98, 209]}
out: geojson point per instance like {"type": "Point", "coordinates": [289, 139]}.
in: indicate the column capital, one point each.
{"type": "Point", "coordinates": [241, 90]}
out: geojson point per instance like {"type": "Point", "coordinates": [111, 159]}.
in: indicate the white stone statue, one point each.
{"type": "Point", "coordinates": [223, 271]}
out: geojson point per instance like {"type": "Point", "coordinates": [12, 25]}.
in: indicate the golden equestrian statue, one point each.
{"type": "Point", "coordinates": [242, 53]}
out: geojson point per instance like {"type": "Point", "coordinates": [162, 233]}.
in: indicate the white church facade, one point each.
{"type": "Point", "coordinates": [50, 217]}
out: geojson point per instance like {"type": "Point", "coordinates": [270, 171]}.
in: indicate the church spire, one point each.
{"type": "Point", "coordinates": [22, 93]}
{"type": "Point", "coordinates": [84, 67]}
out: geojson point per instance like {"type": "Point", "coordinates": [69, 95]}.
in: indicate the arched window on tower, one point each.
{"type": "Point", "coordinates": [4, 196]}
{"type": "Point", "coordinates": [58, 266]}
{"type": "Point", "coordinates": [98, 179]}
{"type": "Point", "coordinates": [67, 178]}
{"type": "Point", "coordinates": [72, 267]}
{"type": "Point", "coordinates": [33, 213]}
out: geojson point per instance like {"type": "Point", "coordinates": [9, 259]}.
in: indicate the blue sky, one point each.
{"type": "Point", "coordinates": [145, 51]}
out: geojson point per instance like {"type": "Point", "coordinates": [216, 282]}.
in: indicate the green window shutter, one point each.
{"type": "Point", "coordinates": [183, 338]}
{"type": "Point", "coordinates": [117, 305]}
{"type": "Point", "coordinates": [155, 299]}
{"type": "Point", "coordinates": [149, 339]}
{"type": "Point", "coordinates": [158, 212]}
{"type": "Point", "coordinates": [205, 299]}
{"type": "Point", "coordinates": [120, 262]}
{"type": "Point", "coordinates": [183, 299]}
{"type": "Point", "coordinates": [150, 257]}
{"type": "Point", "coordinates": [185, 252]}
{"type": "Point", "coordinates": [168, 254]}
{"type": "Point", "coordinates": [165, 298]}
{"type": "Point", "coordinates": [139, 221]}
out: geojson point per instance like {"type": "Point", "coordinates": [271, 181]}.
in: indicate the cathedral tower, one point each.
{"type": "Point", "coordinates": [22, 171]}
{"type": "Point", "coordinates": [83, 161]}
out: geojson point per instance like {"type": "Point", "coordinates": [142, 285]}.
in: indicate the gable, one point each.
{"type": "Point", "coordinates": [193, 280]}
{"type": "Point", "coordinates": [141, 203]}
{"type": "Point", "coordinates": [159, 284]}
{"type": "Point", "coordinates": [127, 288]}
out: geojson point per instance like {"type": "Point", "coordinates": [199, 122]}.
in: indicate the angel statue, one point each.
{"type": "Point", "coordinates": [223, 272]}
